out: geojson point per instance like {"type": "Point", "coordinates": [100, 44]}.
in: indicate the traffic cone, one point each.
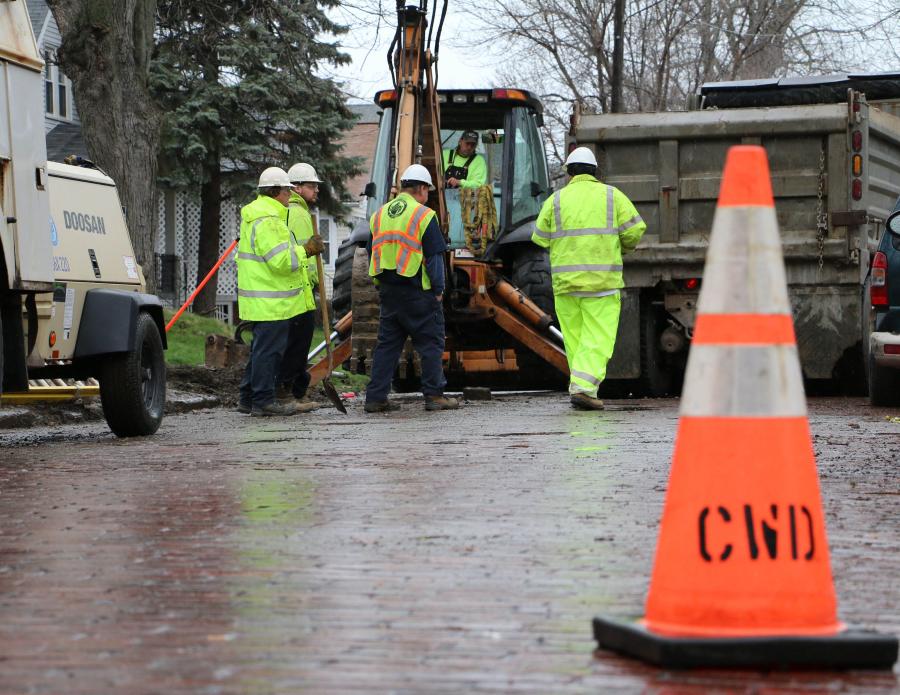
{"type": "Point", "coordinates": [742, 575]}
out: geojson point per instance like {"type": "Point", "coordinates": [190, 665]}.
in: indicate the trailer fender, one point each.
{"type": "Point", "coordinates": [109, 321]}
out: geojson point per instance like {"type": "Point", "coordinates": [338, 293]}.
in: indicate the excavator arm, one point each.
{"type": "Point", "coordinates": [417, 140]}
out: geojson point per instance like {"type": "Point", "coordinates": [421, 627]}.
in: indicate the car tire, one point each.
{"type": "Point", "coordinates": [884, 384]}
{"type": "Point", "coordinates": [133, 384]}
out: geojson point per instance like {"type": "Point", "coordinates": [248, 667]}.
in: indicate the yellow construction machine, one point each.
{"type": "Point", "coordinates": [499, 303]}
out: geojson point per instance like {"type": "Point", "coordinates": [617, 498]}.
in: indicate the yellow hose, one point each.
{"type": "Point", "coordinates": [479, 217]}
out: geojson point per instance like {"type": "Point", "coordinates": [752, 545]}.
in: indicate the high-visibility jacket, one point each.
{"type": "Point", "coordinates": [588, 226]}
{"type": "Point", "coordinates": [299, 221]}
{"type": "Point", "coordinates": [476, 176]}
{"type": "Point", "coordinates": [397, 230]}
{"type": "Point", "coordinates": [272, 278]}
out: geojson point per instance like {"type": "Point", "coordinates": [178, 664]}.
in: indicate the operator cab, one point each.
{"type": "Point", "coordinates": [507, 122]}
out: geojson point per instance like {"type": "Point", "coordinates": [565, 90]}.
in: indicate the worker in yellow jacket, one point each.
{"type": "Point", "coordinates": [293, 377]}
{"type": "Point", "coordinates": [272, 286]}
{"type": "Point", "coordinates": [588, 226]}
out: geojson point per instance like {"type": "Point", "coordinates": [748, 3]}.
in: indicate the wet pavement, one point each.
{"type": "Point", "coordinates": [410, 552]}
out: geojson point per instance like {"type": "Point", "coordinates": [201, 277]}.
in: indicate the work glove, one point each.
{"type": "Point", "coordinates": [314, 246]}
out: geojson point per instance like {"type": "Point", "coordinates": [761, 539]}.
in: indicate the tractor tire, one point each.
{"type": "Point", "coordinates": [341, 284]}
{"type": "Point", "coordinates": [531, 274]}
{"type": "Point", "coordinates": [366, 312]}
{"type": "Point", "coordinates": [133, 384]}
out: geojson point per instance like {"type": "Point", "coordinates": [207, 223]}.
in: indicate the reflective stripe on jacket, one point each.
{"type": "Point", "coordinates": [397, 230]}
{"type": "Point", "coordinates": [272, 278]}
{"type": "Point", "coordinates": [299, 221]}
{"type": "Point", "coordinates": [588, 226]}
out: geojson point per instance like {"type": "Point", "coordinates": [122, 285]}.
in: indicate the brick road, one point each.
{"type": "Point", "coordinates": [414, 552]}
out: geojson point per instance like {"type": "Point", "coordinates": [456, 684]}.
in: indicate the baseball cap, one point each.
{"type": "Point", "coordinates": [469, 135]}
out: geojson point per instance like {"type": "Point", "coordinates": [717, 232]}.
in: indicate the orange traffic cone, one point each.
{"type": "Point", "coordinates": [742, 575]}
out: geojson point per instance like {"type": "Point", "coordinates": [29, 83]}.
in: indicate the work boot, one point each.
{"type": "Point", "coordinates": [440, 403]}
{"type": "Point", "coordinates": [273, 410]}
{"type": "Point", "coordinates": [582, 401]}
{"type": "Point", "coordinates": [283, 391]}
{"type": "Point", "coordinates": [243, 408]}
{"type": "Point", "coordinates": [304, 406]}
{"type": "Point", "coordinates": [380, 406]}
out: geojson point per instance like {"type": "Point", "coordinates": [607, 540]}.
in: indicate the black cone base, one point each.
{"type": "Point", "coordinates": [851, 649]}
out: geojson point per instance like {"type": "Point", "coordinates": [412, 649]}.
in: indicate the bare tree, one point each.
{"type": "Point", "coordinates": [671, 46]}
{"type": "Point", "coordinates": [106, 50]}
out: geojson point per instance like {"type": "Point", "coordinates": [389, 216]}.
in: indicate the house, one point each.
{"type": "Point", "coordinates": [61, 121]}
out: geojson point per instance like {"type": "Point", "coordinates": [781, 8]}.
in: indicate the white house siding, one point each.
{"type": "Point", "coordinates": [179, 234]}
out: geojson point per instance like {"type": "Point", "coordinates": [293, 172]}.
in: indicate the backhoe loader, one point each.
{"type": "Point", "coordinates": [496, 334]}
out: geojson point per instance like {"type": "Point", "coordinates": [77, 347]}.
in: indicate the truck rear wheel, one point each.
{"type": "Point", "coordinates": [656, 374]}
{"type": "Point", "coordinates": [531, 274]}
{"type": "Point", "coordinates": [133, 384]}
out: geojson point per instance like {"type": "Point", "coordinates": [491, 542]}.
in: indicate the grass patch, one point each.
{"type": "Point", "coordinates": [187, 346]}
{"type": "Point", "coordinates": [187, 338]}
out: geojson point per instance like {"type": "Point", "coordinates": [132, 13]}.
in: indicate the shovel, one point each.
{"type": "Point", "coordinates": [330, 391]}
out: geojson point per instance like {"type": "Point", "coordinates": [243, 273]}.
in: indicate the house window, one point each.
{"type": "Point", "coordinates": [49, 101]}
{"type": "Point", "coordinates": [57, 92]}
{"type": "Point", "coordinates": [62, 90]}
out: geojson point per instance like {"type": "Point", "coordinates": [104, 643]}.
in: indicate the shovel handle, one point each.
{"type": "Point", "coordinates": [326, 324]}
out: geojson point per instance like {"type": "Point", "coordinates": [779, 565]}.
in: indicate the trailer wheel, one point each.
{"type": "Point", "coordinates": [133, 384]}
{"type": "Point", "coordinates": [531, 274]}
{"type": "Point", "coordinates": [884, 384]}
{"type": "Point", "coordinates": [656, 376]}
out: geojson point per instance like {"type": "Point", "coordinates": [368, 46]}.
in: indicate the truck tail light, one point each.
{"type": "Point", "coordinates": [892, 349]}
{"type": "Point", "coordinates": [878, 290]}
{"type": "Point", "coordinates": [856, 189]}
{"type": "Point", "coordinates": [514, 94]}
{"type": "Point", "coordinates": [856, 140]}
{"type": "Point", "coordinates": [857, 164]}
{"type": "Point", "coordinates": [692, 284]}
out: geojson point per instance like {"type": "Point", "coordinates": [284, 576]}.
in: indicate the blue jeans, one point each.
{"type": "Point", "coordinates": [270, 339]}
{"type": "Point", "coordinates": [407, 311]}
{"type": "Point", "coordinates": [293, 374]}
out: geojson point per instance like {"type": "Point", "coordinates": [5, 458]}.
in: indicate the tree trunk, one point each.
{"type": "Point", "coordinates": [208, 246]}
{"type": "Point", "coordinates": [616, 105]}
{"type": "Point", "coordinates": [106, 49]}
{"type": "Point", "coordinates": [210, 207]}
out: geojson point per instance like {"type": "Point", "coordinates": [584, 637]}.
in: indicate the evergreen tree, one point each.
{"type": "Point", "coordinates": [237, 82]}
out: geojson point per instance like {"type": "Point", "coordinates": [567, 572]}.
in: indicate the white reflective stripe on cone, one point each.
{"type": "Point", "coordinates": [743, 381]}
{"type": "Point", "coordinates": [744, 272]}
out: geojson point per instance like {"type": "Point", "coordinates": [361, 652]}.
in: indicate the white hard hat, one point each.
{"type": "Point", "coordinates": [416, 172]}
{"type": "Point", "coordinates": [274, 176]}
{"type": "Point", "coordinates": [303, 173]}
{"type": "Point", "coordinates": [581, 155]}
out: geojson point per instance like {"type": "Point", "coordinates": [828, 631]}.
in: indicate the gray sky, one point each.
{"type": "Point", "coordinates": [459, 64]}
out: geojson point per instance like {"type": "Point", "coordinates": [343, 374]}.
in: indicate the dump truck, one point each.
{"type": "Point", "coordinates": [74, 315]}
{"type": "Point", "coordinates": [499, 300]}
{"type": "Point", "coordinates": [834, 156]}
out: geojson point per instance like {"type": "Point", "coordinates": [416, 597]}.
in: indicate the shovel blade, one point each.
{"type": "Point", "coordinates": [333, 396]}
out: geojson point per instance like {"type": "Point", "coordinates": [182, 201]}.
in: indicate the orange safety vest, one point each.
{"type": "Point", "coordinates": [397, 229]}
